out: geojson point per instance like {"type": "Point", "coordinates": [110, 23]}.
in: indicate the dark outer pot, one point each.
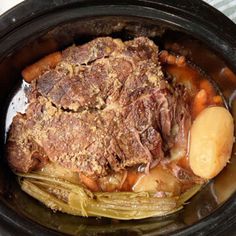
{"type": "Point", "coordinates": [30, 30]}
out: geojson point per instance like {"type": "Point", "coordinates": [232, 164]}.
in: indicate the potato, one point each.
{"type": "Point", "coordinates": [159, 179]}
{"type": "Point", "coordinates": [211, 141]}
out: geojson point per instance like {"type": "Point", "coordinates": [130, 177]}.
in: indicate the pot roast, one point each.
{"type": "Point", "coordinates": [105, 107]}
{"type": "Point", "coordinates": [118, 129]}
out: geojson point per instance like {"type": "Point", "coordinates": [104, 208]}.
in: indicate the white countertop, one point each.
{"type": "Point", "coordinates": [7, 4]}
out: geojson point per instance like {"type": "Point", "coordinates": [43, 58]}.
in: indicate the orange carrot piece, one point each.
{"type": "Point", "coordinates": [199, 102]}
{"type": "Point", "coordinates": [171, 59]}
{"type": "Point", "coordinates": [89, 182]}
{"type": "Point", "coordinates": [228, 74]}
{"type": "Point", "coordinates": [184, 163]}
{"type": "Point", "coordinates": [163, 56]}
{"type": "Point", "coordinates": [130, 180]}
{"type": "Point", "coordinates": [33, 71]}
{"type": "Point", "coordinates": [218, 100]}
{"type": "Point", "coordinates": [181, 61]}
{"type": "Point", "coordinates": [207, 86]}
{"type": "Point", "coordinates": [132, 177]}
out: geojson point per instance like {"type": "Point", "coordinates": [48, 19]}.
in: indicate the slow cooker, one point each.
{"type": "Point", "coordinates": [36, 28]}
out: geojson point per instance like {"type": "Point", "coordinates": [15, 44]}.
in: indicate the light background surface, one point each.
{"type": "Point", "coordinates": [228, 7]}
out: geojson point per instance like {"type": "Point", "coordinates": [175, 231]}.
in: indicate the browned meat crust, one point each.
{"type": "Point", "coordinates": [104, 108]}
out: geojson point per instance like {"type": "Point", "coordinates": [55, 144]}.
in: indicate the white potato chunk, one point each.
{"type": "Point", "coordinates": [211, 141]}
{"type": "Point", "coordinates": [159, 179]}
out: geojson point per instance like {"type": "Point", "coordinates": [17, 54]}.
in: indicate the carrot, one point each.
{"type": "Point", "coordinates": [206, 85]}
{"type": "Point", "coordinates": [228, 74]}
{"type": "Point", "coordinates": [184, 163]}
{"type": "Point", "coordinates": [163, 56]}
{"type": "Point", "coordinates": [33, 71]}
{"type": "Point", "coordinates": [181, 61]}
{"type": "Point", "coordinates": [131, 179]}
{"type": "Point", "coordinates": [199, 102]}
{"type": "Point", "coordinates": [217, 100]}
{"type": "Point", "coordinates": [171, 59]}
{"type": "Point", "coordinates": [89, 182]}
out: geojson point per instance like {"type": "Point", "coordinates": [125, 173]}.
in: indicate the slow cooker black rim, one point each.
{"type": "Point", "coordinates": [228, 44]}
{"type": "Point", "coordinates": [193, 14]}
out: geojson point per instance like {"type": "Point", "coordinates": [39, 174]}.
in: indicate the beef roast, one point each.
{"type": "Point", "coordinates": [89, 74]}
{"type": "Point", "coordinates": [104, 108]}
